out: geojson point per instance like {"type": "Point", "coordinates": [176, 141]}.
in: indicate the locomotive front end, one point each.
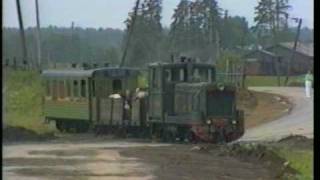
{"type": "Point", "coordinates": [224, 120]}
{"type": "Point", "coordinates": [208, 110]}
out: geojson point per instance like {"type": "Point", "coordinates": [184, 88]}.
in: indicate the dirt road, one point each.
{"type": "Point", "coordinates": [74, 160]}
{"type": "Point", "coordinates": [109, 159]}
{"type": "Point", "coordinates": [299, 121]}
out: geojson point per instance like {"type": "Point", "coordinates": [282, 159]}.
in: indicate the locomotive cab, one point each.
{"type": "Point", "coordinates": [185, 101]}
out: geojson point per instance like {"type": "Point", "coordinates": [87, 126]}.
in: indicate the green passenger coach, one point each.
{"type": "Point", "coordinates": [78, 99]}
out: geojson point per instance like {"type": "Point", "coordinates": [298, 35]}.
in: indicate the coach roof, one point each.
{"type": "Point", "coordinates": [81, 73]}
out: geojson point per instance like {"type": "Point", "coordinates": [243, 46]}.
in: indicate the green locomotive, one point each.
{"type": "Point", "coordinates": [186, 103]}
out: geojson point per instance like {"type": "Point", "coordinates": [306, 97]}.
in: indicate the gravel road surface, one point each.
{"type": "Point", "coordinates": [298, 122]}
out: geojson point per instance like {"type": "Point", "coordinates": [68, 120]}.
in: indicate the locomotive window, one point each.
{"type": "Point", "coordinates": [167, 75]}
{"type": "Point", "coordinates": [75, 88]}
{"type": "Point", "coordinates": [83, 88]}
{"type": "Point", "coordinates": [181, 75]}
{"type": "Point", "coordinates": [196, 75]}
{"type": "Point", "coordinates": [61, 89]}
{"type": "Point", "coordinates": [154, 78]}
{"type": "Point", "coordinates": [213, 77]}
{"type": "Point", "coordinates": [116, 85]}
{"type": "Point", "coordinates": [204, 75]}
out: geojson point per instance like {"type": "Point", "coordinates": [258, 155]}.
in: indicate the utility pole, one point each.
{"type": "Point", "coordinates": [38, 35]}
{"type": "Point", "coordinates": [294, 50]}
{"type": "Point", "coordinates": [23, 38]}
{"type": "Point", "coordinates": [130, 33]}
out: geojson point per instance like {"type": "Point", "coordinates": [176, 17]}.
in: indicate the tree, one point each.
{"type": "Point", "coordinates": [147, 36]}
{"type": "Point", "coordinates": [195, 29]}
{"type": "Point", "coordinates": [271, 19]}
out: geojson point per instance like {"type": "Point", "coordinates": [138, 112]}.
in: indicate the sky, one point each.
{"type": "Point", "coordinates": [113, 13]}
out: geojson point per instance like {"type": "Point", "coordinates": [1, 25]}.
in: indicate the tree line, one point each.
{"type": "Point", "coordinates": [200, 28]}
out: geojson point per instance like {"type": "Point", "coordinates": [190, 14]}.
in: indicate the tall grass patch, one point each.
{"type": "Point", "coordinates": [23, 101]}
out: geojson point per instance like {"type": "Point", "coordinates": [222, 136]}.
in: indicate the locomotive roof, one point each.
{"type": "Point", "coordinates": [77, 73]}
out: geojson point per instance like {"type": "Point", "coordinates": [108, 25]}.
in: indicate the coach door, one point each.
{"type": "Point", "coordinates": [109, 101]}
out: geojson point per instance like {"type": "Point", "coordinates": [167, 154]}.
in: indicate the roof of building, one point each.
{"type": "Point", "coordinates": [302, 48]}
{"type": "Point", "coordinates": [262, 51]}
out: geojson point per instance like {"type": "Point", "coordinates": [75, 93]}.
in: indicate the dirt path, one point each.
{"type": "Point", "coordinates": [118, 159]}
{"type": "Point", "coordinates": [67, 160]}
{"type": "Point", "coordinates": [299, 121]}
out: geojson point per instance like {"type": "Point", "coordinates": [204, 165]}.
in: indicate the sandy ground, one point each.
{"type": "Point", "coordinates": [68, 160]}
{"type": "Point", "coordinates": [298, 122]}
{"type": "Point", "coordinates": [108, 159]}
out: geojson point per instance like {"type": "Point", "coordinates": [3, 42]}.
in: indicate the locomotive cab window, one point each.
{"type": "Point", "coordinates": [167, 73]}
{"type": "Point", "coordinates": [196, 75]}
{"type": "Point", "coordinates": [155, 77]}
{"type": "Point", "coordinates": [179, 75]}
{"type": "Point", "coordinates": [204, 75]}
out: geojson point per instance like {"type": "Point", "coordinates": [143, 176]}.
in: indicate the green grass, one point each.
{"type": "Point", "coordinates": [23, 101]}
{"type": "Point", "coordinates": [300, 160]}
{"type": "Point", "coordinates": [271, 80]}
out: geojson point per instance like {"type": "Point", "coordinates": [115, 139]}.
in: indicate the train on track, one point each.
{"type": "Point", "coordinates": [183, 101]}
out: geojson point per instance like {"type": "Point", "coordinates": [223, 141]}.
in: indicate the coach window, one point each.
{"type": "Point", "coordinates": [83, 88]}
{"type": "Point", "coordinates": [93, 88]}
{"type": "Point", "coordinates": [75, 88]}
{"type": "Point", "coordinates": [61, 89]}
{"type": "Point", "coordinates": [68, 87]}
{"type": "Point", "coordinates": [116, 85]}
{"type": "Point", "coordinates": [48, 88]}
{"type": "Point", "coordinates": [54, 89]}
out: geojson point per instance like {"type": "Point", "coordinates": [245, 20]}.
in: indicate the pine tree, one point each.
{"type": "Point", "coordinates": [271, 18]}
{"type": "Point", "coordinates": [147, 35]}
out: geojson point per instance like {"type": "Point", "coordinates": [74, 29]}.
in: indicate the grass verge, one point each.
{"type": "Point", "coordinates": [300, 160]}
{"type": "Point", "coordinates": [23, 101]}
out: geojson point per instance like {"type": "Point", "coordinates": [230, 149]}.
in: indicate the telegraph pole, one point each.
{"type": "Point", "coordinates": [130, 33]}
{"type": "Point", "coordinates": [38, 35]}
{"type": "Point", "coordinates": [23, 38]}
{"type": "Point", "coordinates": [294, 50]}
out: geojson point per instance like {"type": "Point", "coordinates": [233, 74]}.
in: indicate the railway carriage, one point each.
{"type": "Point", "coordinates": [102, 98]}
